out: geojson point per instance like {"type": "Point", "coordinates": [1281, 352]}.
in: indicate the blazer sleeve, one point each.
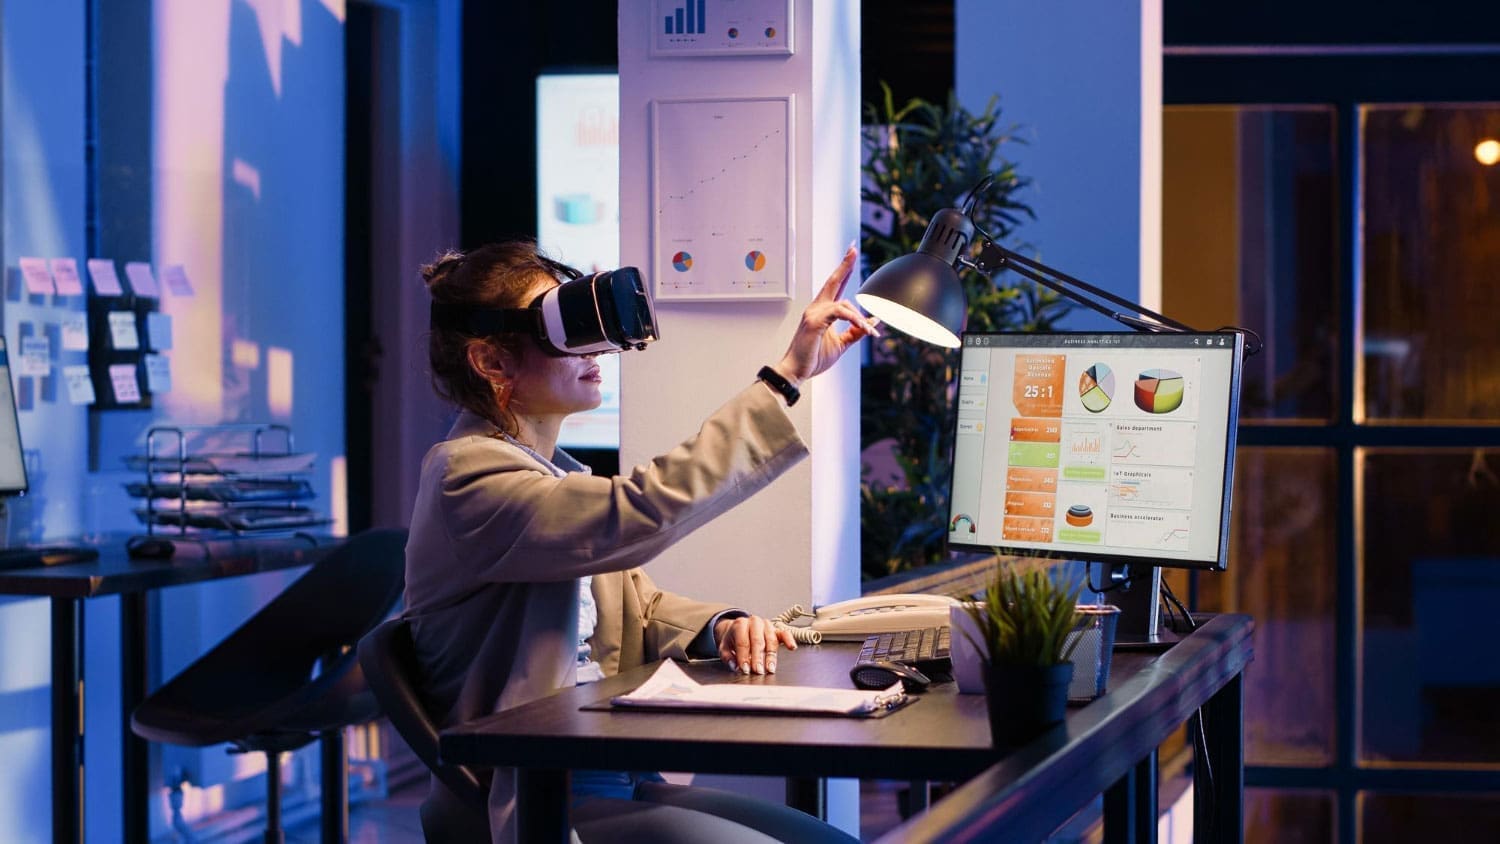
{"type": "Point", "coordinates": [671, 621]}
{"type": "Point", "coordinates": [522, 525]}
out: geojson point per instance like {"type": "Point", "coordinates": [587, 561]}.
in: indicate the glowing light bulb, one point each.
{"type": "Point", "coordinates": [1487, 152]}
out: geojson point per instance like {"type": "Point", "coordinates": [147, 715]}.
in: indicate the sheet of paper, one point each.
{"type": "Point", "coordinates": [671, 688]}
{"type": "Point", "coordinates": [142, 282]}
{"type": "Point", "coordinates": [36, 356]}
{"type": "Point", "coordinates": [80, 384]}
{"type": "Point", "coordinates": [65, 277]}
{"type": "Point", "coordinates": [75, 332]}
{"type": "Point", "coordinates": [174, 279]}
{"type": "Point", "coordinates": [122, 379]}
{"type": "Point", "coordinates": [159, 330]}
{"type": "Point", "coordinates": [36, 275]}
{"type": "Point", "coordinates": [122, 334]}
{"type": "Point", "coordinates": [106, 280]}
{"type": "Point", "coordinates": [158, 374]}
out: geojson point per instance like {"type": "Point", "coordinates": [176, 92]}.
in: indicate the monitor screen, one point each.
{"type": "Point", "coordinates": [1103, 447]}
{"type": "Point", "coordinates": [12, 461]}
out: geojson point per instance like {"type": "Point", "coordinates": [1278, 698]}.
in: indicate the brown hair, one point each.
{"type": "Point", "coordinates": [498, 275]}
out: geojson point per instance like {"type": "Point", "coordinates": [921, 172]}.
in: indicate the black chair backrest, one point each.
{"type": "Point", "coordinates": [388, 657]}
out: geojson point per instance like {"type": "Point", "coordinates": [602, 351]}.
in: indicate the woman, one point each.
{"type": "Point", "coordinates": [522, 570]}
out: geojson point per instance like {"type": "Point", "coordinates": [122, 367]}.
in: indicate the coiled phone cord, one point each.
{"type": "Point", "coordinates": [802, 635]}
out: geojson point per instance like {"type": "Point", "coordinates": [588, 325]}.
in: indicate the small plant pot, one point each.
{"type": "Point", "coordinates": [1025, 700]}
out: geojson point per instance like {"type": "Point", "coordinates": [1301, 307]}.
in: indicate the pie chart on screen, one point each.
{"type": "Point", "coordinates": [682, 262]}
{"type": "Point", "coordinates": [1096, 387]}
{"type": "Point", "coordinates": [1159, 391]}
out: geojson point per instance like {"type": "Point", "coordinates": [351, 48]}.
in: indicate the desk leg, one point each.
{"type": "Point", "coordinates": [1219, 808]}
{"type": "Point", "coordinates": [135, 759]}
{"type": "Point", "coordinates": [808, 794]}
{"type": "Point", "coordinates": [542, 805]}
{"type": "Point", "coordinates": [67, 720]}
{"type": "Point", "coordinates": [1130, 805]}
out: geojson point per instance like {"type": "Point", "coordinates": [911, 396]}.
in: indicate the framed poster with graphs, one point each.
{"type": "Point", "coordinates": [722, 191]}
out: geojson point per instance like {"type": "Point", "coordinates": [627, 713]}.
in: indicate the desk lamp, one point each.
{"type": "Point", "coordinates": [920, 295]}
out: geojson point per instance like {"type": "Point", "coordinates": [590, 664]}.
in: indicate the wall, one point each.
{"type": "Point", "coordinates": [1083, 79]}
{"type": "Point", "coordinates": [797, 542]}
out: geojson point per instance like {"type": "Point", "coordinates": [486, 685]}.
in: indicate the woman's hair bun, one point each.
{"type": "Point", "coordinates": [435, 272]}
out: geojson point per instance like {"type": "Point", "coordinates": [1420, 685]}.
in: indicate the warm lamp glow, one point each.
{"type": "Point", "coordinates": [1487, 152]}
{"type": "Point", "coordinates": [907, 321]}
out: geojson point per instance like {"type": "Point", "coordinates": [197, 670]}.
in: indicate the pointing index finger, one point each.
{"type": "Point", "coordinates": [833, 288]}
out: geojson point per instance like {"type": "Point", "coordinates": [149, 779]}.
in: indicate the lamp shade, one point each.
{"type": "Point", "coordinates": [919, 295]}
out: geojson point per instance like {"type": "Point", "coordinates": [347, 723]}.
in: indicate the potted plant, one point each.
{"type": "Point", "coordinates": [1022, 626]}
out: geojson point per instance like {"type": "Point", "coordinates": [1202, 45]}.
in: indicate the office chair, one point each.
{"type": "Point", "coordinates": [257, 690]}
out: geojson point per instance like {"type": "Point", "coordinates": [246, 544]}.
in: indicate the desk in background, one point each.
{"type": "Point", "coordinates": [1022, 794]}
{"type": "Point", "coordinates": [115, 573]}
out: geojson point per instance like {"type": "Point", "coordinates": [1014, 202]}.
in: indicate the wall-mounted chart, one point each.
{"type": "Point", "coordinates": [721, 28]}
{"type": "Point", "coordinates": [721, 185]}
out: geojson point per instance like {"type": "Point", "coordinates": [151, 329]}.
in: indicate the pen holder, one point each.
{"type": "Point", "coordinates": [968, 660]}
{"type": "Point", "coordinates": [1095, 635]}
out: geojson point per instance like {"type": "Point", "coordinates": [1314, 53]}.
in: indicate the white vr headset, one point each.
{"type": "Point", "coordinates": [588, 315]}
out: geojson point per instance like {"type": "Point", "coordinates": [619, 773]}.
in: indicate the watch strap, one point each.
{"type": "Point", "coordinates": [775, 381]}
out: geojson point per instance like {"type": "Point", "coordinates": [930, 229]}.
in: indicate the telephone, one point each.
{"type": "Point", "coordinates": [853, 621]}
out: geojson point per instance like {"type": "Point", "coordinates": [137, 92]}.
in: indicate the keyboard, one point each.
{"type": "Point", "coordinates": [36, 556]}
{"type": "Point", "coordinates": [928, 650]}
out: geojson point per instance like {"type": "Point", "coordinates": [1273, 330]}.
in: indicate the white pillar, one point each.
{"type": "Point", "coordinates": [1083, 78]}
{"type": "Point", "coordinates": [798, 541]}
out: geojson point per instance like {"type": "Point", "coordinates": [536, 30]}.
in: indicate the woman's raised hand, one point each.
{"type": "Point", "coordinates": [818, 344]}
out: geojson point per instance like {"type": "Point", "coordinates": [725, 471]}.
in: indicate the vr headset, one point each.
{"type": "Point", "coordinates": [585, 315]}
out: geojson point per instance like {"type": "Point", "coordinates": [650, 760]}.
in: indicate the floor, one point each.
{"type": "Point", "coordinates": [395, 820]}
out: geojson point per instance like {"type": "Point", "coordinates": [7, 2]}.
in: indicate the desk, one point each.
{"type": "Point", "coordinates": [1106, 746]}
{"type": "Point", "coordinates": [115, 573]}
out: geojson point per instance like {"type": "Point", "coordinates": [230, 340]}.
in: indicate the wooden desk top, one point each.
{"type": "Point", "coordinates": [115, 572]}
{"type": "Point", "coordinates": [943, 736]}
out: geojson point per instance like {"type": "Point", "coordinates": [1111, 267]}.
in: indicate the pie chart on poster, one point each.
{"type": "Point", "coordinates": [682, 262]}
{"type": "Point", "coordinates": [1159, 391]}
{"type": "Point", "coordinates": [1096, 387]}
{"type": "Point", "coordinates": [755, 261]}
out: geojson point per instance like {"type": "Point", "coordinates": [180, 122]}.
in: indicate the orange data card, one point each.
{"type": "Point", "coordinates": [1030, 504]}
{"type": "Point", "coordinates": [1024, 430]}
{"type": "Point", "coordinates": [1024, 529]}
{"type": "Point", "coordinates": [1021, 479]}
{"type": "Point", "coordinates": [1038, 386]}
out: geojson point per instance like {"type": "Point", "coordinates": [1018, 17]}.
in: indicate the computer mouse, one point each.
{"type": "Point", "coordinates": [150, 547]}
{"type": "Point", "coordinates": [880, 674]}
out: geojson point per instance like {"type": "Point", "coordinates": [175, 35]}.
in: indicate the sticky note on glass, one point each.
{"type": "Point", "coordinates": [36, 275]}
{"type": "Point", "coordinates": [158, 373]}
{"type": "Point", "coordinates": [106, 281]}
{"type": "Point", "coordinates": [75, 332]}
{"type": "Point", "coordinates": [158, 331]}
{"type": "Point", "coordinates": [122, 330]}
{"type": "Point", "coordinates": [65, 277]}
{"type": "Point", "coordinates": [122, 380]}
{"type": "Point", "coordinates": [142, 282]}
{"type": "Point", "coordinates": [80, 384]}
{"type": "Point", "coordinates": [174, 278]}
{"type": "Point", "coordinates": [36, 356]}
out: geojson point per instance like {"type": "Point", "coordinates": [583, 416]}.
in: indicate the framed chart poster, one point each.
{"type": "Point", "coordinates": [722, 190]}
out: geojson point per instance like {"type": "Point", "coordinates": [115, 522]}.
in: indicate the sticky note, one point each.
{"type": "Point", "coordinates": [174, 278]}
{"type": "Point", "coordinates": [142, 282]}
{"type": "Point", "coordinates": [36, 356]}
{"type": "Point", "coordinates": [80, 384]}
{"type": "Point", "coordinates": [159, 330]}
{"type": "Point", "coordinates": [122, 379]}
{"type": "Point", "coordinates": [75, 332]}
{"type": "Point", "coordinates": [36, 275]}
{"type": "Point", "coordinates": [65, 276]}
{"type": "Point", "coordinates": [106, 281]}
{"type": "Point", "coordinates": [158, 373]}
{"type": "Point", "coordinates": [122, 330]}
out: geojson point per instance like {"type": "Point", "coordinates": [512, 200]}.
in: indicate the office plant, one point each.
{"type": "Point", "coordinates": [918, 158]}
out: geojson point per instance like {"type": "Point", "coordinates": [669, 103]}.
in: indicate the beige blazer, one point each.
{"type": "Point", "coordinates": [498, 542]}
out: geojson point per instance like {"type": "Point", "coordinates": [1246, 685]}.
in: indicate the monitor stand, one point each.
{"type": "Point", "coordinates": [1139, 599]}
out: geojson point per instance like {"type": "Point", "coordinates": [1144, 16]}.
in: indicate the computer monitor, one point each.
{"type": "Point", "coordinates": [12, 460]}
{"type": "Point", "coordinates": [1099, 447]}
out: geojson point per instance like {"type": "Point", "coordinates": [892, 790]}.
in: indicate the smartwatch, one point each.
{"type": "Point", "coordinates": [774, 380]}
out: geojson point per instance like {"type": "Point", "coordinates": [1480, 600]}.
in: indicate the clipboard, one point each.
{"type": "Point", "coordinates": [670, 689]}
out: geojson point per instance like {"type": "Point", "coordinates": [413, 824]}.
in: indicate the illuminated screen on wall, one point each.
{"type": "Point", "coordinates": [1097, 447]}
{"type": "Point", "coordinates": [578, 208]}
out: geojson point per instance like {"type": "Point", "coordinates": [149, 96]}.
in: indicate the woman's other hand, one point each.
{"type": "Point", "coordinates": [748, 644]}
{"type": "Point", "coordinates": [817, 344]}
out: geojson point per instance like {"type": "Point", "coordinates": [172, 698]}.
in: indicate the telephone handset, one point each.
{"type": "Point", "coordinates": [853, 621]}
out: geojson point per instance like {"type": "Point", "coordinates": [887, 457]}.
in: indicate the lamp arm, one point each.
{"type": "Point", "coordinates": [993, 257]}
